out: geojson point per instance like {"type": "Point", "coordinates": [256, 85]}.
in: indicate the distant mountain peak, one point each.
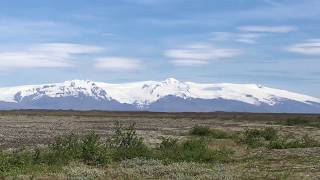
{"type": "Point", "coordinates": [75, 88]}
{"type": "Point", "coordinates": [78, 82]}
{"type": "Point", "coordinates": [144, 95]}
{"type": "Point", "coordinates": [171, 81]}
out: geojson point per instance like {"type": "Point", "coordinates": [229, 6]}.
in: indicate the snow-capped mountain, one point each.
{"type": "Point", "coordinates": [169, 95]}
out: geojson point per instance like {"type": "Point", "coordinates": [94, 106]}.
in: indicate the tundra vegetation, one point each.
{"type": "Point", "coordinates": [260, 150]}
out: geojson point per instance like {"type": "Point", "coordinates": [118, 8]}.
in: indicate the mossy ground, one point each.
{"type": "Point", "coordinates": [238, 146]}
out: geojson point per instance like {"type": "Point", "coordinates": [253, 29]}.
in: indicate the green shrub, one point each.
{"type": "Point", "coordinates": [200, 131]}
{"type": "Point", "coordinates": [305, 142]}
{"type": "Point", "coordinates": [126, 144]}
{"type": "Point", "coordinates": [4, 164]}
{"type": "Point", "coordinates": [256, 137]}
{"type": "Point", "coordinates": [123, 144]}
{"type": "Point", "coordinates": [269, 133]}
{"type": "Point", "coordinates": [296, 121]}
{"type": "Point", "coordinates": [193, 150]}
{"type": "Point", "coordinates": [140, 168]}
{"type": "Point", "coordinates": [20, 159]}
{"type": "Point", "coordinates": [168, 143]}
{"type": "Point", "coordinates": [64, 149]}
{"type": "Point", "coordinates": [269, 137]}
{"type": "Point", "coordinates": [252, 137]}
{"type": "Point", "coordinates": [205, 131]}
{"type": "Point", "coordinates": [90, 147]}
{"type": "Point", "coordinates": [279, 143]}
{"type": "Point", "coordinates": [299, 121]}
{"type": "Point", "coordinates": [308, 141]}
{"type": "Point", "coordinates": [219, 134]}
{"type": "Point", "coordinates": [12, 163]}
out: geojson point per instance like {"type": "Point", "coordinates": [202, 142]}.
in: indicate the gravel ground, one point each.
{"type": "Point", "coordinates": [29, 128]}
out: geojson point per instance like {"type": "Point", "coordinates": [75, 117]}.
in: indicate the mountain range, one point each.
{"type": "Point", "coordinates": [170, 95]}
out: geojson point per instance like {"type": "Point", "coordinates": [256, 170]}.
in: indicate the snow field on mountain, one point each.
{"type": "Point", "coordinates": [147, 92]}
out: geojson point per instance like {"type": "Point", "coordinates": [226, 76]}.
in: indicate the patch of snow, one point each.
{"type": "Point", "coordinates": [74, 88]}
{"type": "Point", "coordinates": [146, 92]}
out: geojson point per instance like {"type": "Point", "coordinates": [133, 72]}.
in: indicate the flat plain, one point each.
{"type": "Point", "coordinates": [31, 129]}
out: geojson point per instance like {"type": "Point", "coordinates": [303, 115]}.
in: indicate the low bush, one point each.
{"type": "Point", "coordinates": [213, 133]}
{"type": "Point", "coordinates": [168, 144]}
{"type": "Point", "coordinates": [123, 144]}
{"type": "Point", "coordinates": [305, 142]}
{"type": "Point", "coordinates": [93, 151]}
{"type": "Point", "coordinates": [14, 161]}
{"type": "Point", "coordinates": [268, 137]}
{"type": "Point", "coordinates": [270, 133]}
{"type": "Point", "coordinates": [126, 144]}
{"type": "Point", "coordinates": [252, 138]}
{"type": "Point", "coordinates": [63, 150]}
{"type": "Point", "coordinates": [200, 131]}
{"type": "Point", "coordinates": [296, 121]}
{"type": "Point", "coordinates": [256, 137]}
{"type": "Point", "coordinates": [192, 150]}
{"type": "Point", "coordinates": [140, 168]}
{"type": "Point", "coordinates": [279, 143]}
{"type": "Point", "coordinates": [299, 121]}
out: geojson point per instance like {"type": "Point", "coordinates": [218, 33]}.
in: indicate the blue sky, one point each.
{"type": "Point", "coordinates": [275, 43]}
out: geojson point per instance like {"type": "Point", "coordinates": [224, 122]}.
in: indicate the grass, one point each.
{"type": "Point", "coordinates": [213, 133]}
{"type": "Point", "coordinates": [270, 138]}
{"type": "Point", "coordinates": [256, 137]}
{"type": "Point", "coordinates": [90, 149]}
{"type": "Point", "coordinates": [139, 168]}
{"type": "Point", "coordinates": [304, 142]}
{"type": "Point", "coordinates": [126, 144]}
{"type": "Point", "coordinates": [299, 121]}
{"type": "Point", "coordinates": [193, 150]}
{"type": "Point", "coordinates": [125, 155]}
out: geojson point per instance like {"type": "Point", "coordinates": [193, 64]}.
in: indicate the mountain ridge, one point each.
{"type": "Point", "coordinates": [156, 96]}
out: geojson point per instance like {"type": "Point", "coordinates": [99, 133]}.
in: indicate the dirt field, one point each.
{"type": "Point", "coordinates": [30, 128]}
{"type": "Point", "coordinates": [18, 128]}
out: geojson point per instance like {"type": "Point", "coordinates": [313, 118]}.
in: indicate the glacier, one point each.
{"type": "Point", "coordinates": [170, 95]}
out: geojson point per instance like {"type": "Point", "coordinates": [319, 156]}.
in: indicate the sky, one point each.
{"type": "Point", "coordinates": [275, 43]}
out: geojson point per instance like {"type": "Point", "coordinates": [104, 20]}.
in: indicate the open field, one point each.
{"type": "Point", "coordinates": [258, 159]}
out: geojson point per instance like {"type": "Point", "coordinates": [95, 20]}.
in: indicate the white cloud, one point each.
{"type": "Point", "coordinates": [282, 10]}
{"type": "Point", "coordinates": [109, 34]}
{"type": "Point", "coordinates": [268, 29]}
{"type": "Point", "coordinates": [40, 30]}
{"type": "Point", "coordinates": [188, 62]}
{"type": "Point", "coordinates": [117, 64]}
{"type": "Point", "coordinates": [16, 27]}
{"type": "Point", "coordinates": [199, 54]}
{"type": "Point", "coordinates": [48, 55]}
{"type": "Point", "coordinates": [309, 47]}
{"type": "Point", "coordinates": [249, 38]}
{"type": "Point", "coordinates": [14, 60]}
{"type": "Point", "coordinates": [66, 48]}
{"type": "Point", "coordinates": [250, 34]}
{"type": "Point", "coordinates": [221, 36]}
{"type": "Point", "coordinates": [167, 22]}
